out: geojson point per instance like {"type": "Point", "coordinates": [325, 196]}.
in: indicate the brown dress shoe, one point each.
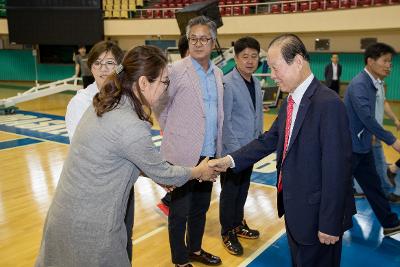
{"type": "Point", "coordinates": [205, 258]}
{"type": "Point", "coordinates": [245, 232]}
{"type": "Point", "coordinates": [232, 244]}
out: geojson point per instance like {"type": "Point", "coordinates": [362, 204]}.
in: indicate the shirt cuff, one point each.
{"type": "Point", "coordinates": [232, 161]}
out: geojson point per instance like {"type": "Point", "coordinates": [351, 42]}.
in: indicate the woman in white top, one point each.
{"type": "Point", "coordinates": [102, 60]}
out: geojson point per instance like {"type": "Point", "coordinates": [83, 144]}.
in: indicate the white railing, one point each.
{"type": "Point", "coordinates": [41, 91]}
{"type": "Point", "coordinates": [250, 8]}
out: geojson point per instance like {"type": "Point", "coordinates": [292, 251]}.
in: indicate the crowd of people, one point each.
{"type": "Point", "coordinates": [213, 125]}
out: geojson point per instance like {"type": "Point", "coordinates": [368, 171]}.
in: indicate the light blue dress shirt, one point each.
{"type": "Point", "coordinates": [210, 102]}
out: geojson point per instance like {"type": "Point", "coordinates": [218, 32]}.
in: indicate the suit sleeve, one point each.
{"type": "Point", "coordinates": [364, 112]}
{"type": "Point", "coordinates": [228, 134]}
{"type": "Point", "coordinates": [336, 156]}
{"type": "Point", "coordinates": [326, 72]}
{"type": "Point", "coordinates": [257, 149]}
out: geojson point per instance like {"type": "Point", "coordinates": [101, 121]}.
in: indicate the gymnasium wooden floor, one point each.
{"type": "Point", "coordinates": [30, 166]}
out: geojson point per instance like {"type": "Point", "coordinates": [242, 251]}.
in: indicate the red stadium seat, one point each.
{"type": "Point", "coordinates": [229, 2]}
{"type": "Point", "coordinates": [304, 6]}
{"type": "Point", "coordinates": [345, 3]}
{"type": "Point", "coordinates": [246, 10]}
{"type": "Point", "coordinates": [237, 11]}
{"type": "Point", "coordinates": [157, 14]}
{"type": "Point", "coordinates": [228, 11]}
{"type": "Point", "coordinates": [366, 2]}
{"type": "Point", "coordinates": [149, 14]}
{"type": "Point", "coordinates": [379, 2]}
{"type": "Point", "coordinates": [286, 8]}
{"type": "Point", "coordinates": [276, 8]}
{"type": "Point", "coordinates": [293, 7]}
{"type": "Point", "coordinates": [315, 5]}
{"type": "Point", "coordinates": [333, 4]}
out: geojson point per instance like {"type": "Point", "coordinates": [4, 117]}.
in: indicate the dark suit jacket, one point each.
{"type": "Point", "coordinates": [316, 173]}
{"type": "Point", "coordinates": [329, 74]}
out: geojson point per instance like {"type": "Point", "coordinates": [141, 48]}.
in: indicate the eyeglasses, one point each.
{"type": "Point", "coordinates": [110, 65]}
{"type": "Point", "coordinates": [203, 40]}
{"type": "Point", "coordinates": [166, 83]}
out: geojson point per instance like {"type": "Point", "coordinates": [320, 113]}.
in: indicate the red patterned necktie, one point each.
{"type": "Point", "coordinates": [289, 111]}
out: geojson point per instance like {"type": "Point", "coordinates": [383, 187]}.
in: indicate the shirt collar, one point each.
{"type": "Point", "coordinates": [377, 82]}
{"type": "Point", "coordinates": [246, 81]}
{"type": "Point", "coordinates": [298, 93]}
{"type": "Point", "coordinates": [198, 67]}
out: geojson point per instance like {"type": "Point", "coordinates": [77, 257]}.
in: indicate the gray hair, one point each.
{"type": "Point", "coordinates": [202, 20]}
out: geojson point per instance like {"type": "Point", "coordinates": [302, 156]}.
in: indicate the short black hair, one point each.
{"type": "Point", "coordinates": [246, 42]}
{"type": "Point", "coordinates": [377, 50]}
{"type": "Point", "coordinates": [183, 45]}
{"type": "Point", "coordinates": [291, 45]}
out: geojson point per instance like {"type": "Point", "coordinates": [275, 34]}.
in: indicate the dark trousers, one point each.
{"type": "Point", "coordinates": [187, 215]}
{"type": "Point", "coordinates": [87, 80]}
{"type": "Point", "coordinates": [235, 187]}
{"type": "Point", "coordinates": [316, 255]}
{"type": "Point", "coordinates": [130, 213]}
{"type": "Point", "coordinates": [335, 86]}
{"type": "Point", "coordinates": [364, 171]}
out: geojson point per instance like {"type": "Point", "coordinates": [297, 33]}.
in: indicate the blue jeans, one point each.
{"type": "Point", "coordinates": [381, 167]}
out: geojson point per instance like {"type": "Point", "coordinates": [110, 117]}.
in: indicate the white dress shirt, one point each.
{"type": "Point", "coordinates": [297, 95]}
{"type": "Point", "coordinates": [334, 72]}
{"type": "Point", "coordinates": [77, 106]}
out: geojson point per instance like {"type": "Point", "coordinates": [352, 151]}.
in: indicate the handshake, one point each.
{"type": "Point", "coordinates": [208, 170]}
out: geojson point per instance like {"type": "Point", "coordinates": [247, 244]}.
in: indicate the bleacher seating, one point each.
{"type": "Point", "coordinates": [154, 9]}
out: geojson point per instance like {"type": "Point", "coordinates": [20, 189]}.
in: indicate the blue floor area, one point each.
{"type": "Point", "coordinates": [18, 142]}
{"type": "Point", "coordinates": [363, 245]}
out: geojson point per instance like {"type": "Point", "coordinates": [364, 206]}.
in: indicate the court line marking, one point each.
{"type": "Point", "coordinates": [260, 250]}
{"type": "Point", "coordinates": [157, 230]}
{"type": "Point", "coordinates": [148, 235]}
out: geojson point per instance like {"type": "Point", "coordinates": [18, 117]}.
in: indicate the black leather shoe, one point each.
{"type": "Point", "coordinates": [186, 265]}
{"type": "Point", "coordinates": [391, 231]}
{"type": "Point", "coordinates": [232, 244]}
{"type": "Point", "coordinates": [393, 198]}
{"type": "Point", "coordinates": [391, 175]}
{"type": "Point", "coordinates": [245, 232]}
{"type": "Point", "coordinates": [205, 258]}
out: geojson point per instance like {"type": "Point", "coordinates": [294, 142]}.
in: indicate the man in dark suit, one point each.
{"type": "Point", "coordinates": [333, 71]}
{"type": "Point", "coordinates": [312, 139]}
